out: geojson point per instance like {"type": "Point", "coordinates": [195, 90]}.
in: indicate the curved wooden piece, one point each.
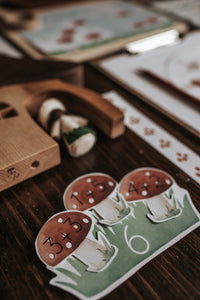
{"type": "Point", "coordinates": [79, 100]}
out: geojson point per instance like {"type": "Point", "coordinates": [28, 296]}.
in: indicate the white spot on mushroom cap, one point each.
{"type": "Point", "coordinates": [68, 245]}
{"type": "Point", "coordinates": [88, 180]}
{"type": "Point", "coordinates": [51, 256]}
{"type": "Point", "coordinates": [144, 193]}
{"type": "Point", "coordinates": [74, 206]}
{"type": "Point", "coordinates": [127, 194]}
{"type": "Point", "coordinates": [131, 182]}
{"type": "Point", "coordinates": [101, 187]}
{"type": "Point", "coordinates": [91, 200]}
{"type": "Point", "coordinates": [85, 220]}
{"type": "Point", "coordinates": [145, 184]}
{"type": "Point", "coordinates": [60, 220]}
{"type": "Point", "coordinates": [110, 183]}
{"type": "Point", "coordinates": [167, 181]}
{"type": "Point", "coordinates": [75, 226]}
{"type": "Point", "coordinates": [147, 173]}
{"type": "Point", "coordinates": [75, 193]}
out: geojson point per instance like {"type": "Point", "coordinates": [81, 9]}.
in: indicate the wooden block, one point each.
{"type": "Point", "coordinates": [26, 149]}
{"type": "Point", "coordinates": [13, 19]}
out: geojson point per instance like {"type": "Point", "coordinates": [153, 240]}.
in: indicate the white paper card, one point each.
{"type": "Point", "coordinates": [178, 65]}
{"type": "Point", "coordinates": [170, 147]}
{"type": "Point", "coordinates": [124, 69]}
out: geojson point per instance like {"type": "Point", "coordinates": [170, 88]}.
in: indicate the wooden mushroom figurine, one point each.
{"type": "Point", "coordinates": [78, 138]}
{"type": "Point", "coordinates": [49, 114]}
{"type": "Point", "coordinates": [150, 185]}
{"type": "Point", "coordinates": [96, 191]}
{"type": "Point", "coordinates": [68, 233]}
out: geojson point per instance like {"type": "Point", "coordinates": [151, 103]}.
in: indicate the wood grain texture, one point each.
{"type": "Point", "coordinates": [26, 149]}
{"type": "Point", "coordinates": [18, 70]}
{"type": "Point", "coordinates": [174, 274]}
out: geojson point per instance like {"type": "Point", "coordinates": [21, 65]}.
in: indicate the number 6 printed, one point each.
{"type": "Point", "coordinates": [135, 237]}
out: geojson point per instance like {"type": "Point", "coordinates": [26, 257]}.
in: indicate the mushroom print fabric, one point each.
{"type": "Point", "coordinates": [110, 230]}
{"type": "Point", "coordinates": [97, 192]}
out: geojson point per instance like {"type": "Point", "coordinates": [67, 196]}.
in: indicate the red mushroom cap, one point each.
{"type": "Point", "coordinates": [88, 190]}
{"type": "Point", "coordinates": [61, 235]}
{"type": "Point", "coordinates": [144, 183]}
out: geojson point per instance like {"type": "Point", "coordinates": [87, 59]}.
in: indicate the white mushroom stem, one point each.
{"type": "Point", "coordinates": [79, 120]}
{"type": "Point", "coordinates": [46, 109]}
{"type": "Point", "coordinates": [55, 130]}
{"type": "Point", "coordinates": [109, 211]}
{"type": "Point", "coordinates": [92, 254]}
{"type": "Point", "coordinates": [68, 123]}
{"type": "Point", "coordinates": [159, 206]}
{"type": "Point", "coordinates": [79, 140]}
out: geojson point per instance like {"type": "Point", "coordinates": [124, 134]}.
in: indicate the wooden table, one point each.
{"type": "Point", "coordinates": [173, 274]}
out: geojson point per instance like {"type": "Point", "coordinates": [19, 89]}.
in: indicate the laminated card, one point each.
{"type": "Point", "coordinates": [110, 230]}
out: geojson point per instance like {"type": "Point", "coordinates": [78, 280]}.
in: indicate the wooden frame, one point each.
{"type": "Point", "coordinates": [90, 53]}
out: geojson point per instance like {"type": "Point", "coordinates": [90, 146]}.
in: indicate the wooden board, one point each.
{"type": "Point", "coordinates": [84, 52]}
{"type": "Point", "coordinates": [26, 149]}
{"type": "Point", "coordinates": [17, 71]}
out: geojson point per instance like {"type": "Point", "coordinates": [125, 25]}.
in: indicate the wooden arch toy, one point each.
{"type": "Point", "coordinates": [26, 149]}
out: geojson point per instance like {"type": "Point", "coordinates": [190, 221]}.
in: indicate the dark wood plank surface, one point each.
{"type": "Point", "coordinates": [15, 70]}
{"type": "Point", "coordinates": [173, 274]}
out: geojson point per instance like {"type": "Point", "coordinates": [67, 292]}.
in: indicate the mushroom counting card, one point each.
{"type": "Point", "coordinates": [110, 230]}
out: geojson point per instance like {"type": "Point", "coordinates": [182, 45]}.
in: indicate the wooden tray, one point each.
{"type": "Point", "coordinates": [84, 53]}
{"type": "Point", "coordinates": [26, 149]}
